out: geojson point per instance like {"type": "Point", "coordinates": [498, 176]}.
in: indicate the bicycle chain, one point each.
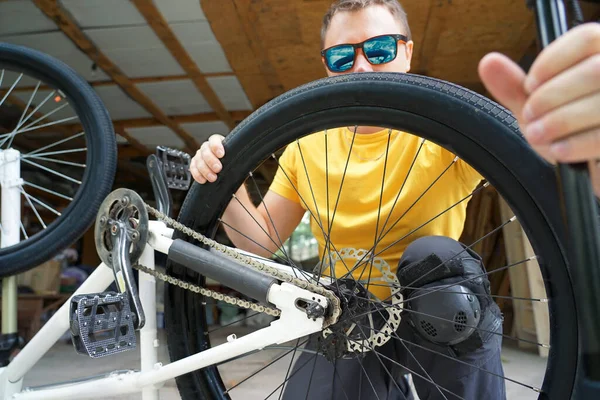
{"type": "Point", "coordinates": [334, 302]}
{"type": "Point", "coordinates": [207, 292]}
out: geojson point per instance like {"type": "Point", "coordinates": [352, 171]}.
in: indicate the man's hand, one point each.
{"type": "Point", "coordinates": [205, 165]}
{"type": "Point", "coordinates": [557, 104]}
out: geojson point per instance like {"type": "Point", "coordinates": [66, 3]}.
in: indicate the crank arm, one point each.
{"type": "Point", "coordinates": [123, 271]}
{"type": "Point", "coordinates": [159, 185]}
{"type": "Point", "coordinates": [121, 233]}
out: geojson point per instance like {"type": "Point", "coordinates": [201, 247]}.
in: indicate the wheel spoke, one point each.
{"type": "Point", "coordinates": [68, 151]}
{"type": "Point", "coordinates": [52, 171]}
{"type": "Point", "coordinates": [55, 144]}
{"type": "Point", "coordinates": [312, 193]}
{"type": "Point", "coordinates": [33, 128]}
{"type": "Point", "coordinates": [395, 336]}
{"type": "Point", "coordinates": [512, 219]}
{"type": "Point", "coordinates": [232, 323]}
{"type": "Point", "coordinates": [461, 324]}
{"type": "Point", "coordinates": [36, 109]}
{"type": "Point", "coordinates": [37, 86]}
{"type": "Point", "coordinates": [266, 366]}
{"type": "Point", "coordinates": [359, 326]}
{"type": "Point", "coordinates": [328, 243]}
{"type": "Point", "coordinates": [11, 88]}
{"type": "Point", "coordinates": [62, 196]}
{"type": "Point", "coordinates": [359, 263]}
{"type": "Point", "coordinates": [414, 373]}
{"type": "Point", "coordinates": [372, 259]}
{"type": "Point", "coordinates": [54, 160]}
{"type": "Point", "coordinates": [420, 197]}
{"type": "Point", "coordinates": [292, 374]}
{"type": "Point", "coordinates": [327, 248]}
{"type": "Point", "coordinates": [48, 114]}
{"type": "Point", "coordinates": [23, 115]}
{"type": "Point", "coordinates": [317, 221]}
{"type": "Point", "coordinates": [20, 222]}
{"type": "Point", "coordinates": [281, 246]}
{"type": "Point", "coordinates": [310, 379]}
{"type": "Point", "coordinates": [41, 203]}
{"type": "Point", "coordinates": [258, 244]}
{"type": "Point", "coordinates": [433, 218]}
{"type": "Point", "coordinates": [402, 187]}
{"type": "Point", "coordinates": [470, 365]}
{"type": "Point", "coordinates": [34, 209]}
{"type": "Point", "coordinates": [23, 230]}
{"type": "Point", "coordinates": [423, 369]}
{"type": "Point", "coordinates": [368, 379]}
{"type": "Point", "coordinates": [337, 374]}
{"type": "Point", "coordinates": [277, 246]}
{"type": "Point", "coordinates": [287, 374]}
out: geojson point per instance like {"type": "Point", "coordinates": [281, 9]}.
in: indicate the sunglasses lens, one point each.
{"type": "Point", "coordinates": [381, 50]}
{"type": "Point", "coordinates": [340, 58]}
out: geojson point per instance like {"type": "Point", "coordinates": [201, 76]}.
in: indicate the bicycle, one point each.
{"type": "Point", "coordinates": [476, 130]}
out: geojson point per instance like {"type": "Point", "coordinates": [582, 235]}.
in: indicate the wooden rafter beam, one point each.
{"type": "Point", "coordinates": [127, 151]}
{"type": "Point", "coordinates": [67, 25]}
{"type": "Point", "coordinates": [143, 150]}
{"type": "Point", "coordinates": [162, 29]}
{"type": "Point", "coordinates": [179, 119]}
{"type": "Point", "coordinates": [148, 79]}
{"type": "Point", "coordinates": [436, 21]}
{"type": "Point", "coordinates": [128, 168]}
{"type": "Point", "coordinates": [239, 41]}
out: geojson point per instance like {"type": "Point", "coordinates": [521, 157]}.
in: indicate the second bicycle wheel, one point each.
{"type": "Point", "coordinates": [473, 131]}
{"type": "Point", "coordinates": [66, 153]}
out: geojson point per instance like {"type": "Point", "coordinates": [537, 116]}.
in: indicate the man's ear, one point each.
{"type": "Point", "coordinates": [408, 48]}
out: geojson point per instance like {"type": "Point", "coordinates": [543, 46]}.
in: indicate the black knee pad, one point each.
{"type": "Point", "coordinates": [448, 304]}
{"type": "Point", "coordinates": [444, 316]}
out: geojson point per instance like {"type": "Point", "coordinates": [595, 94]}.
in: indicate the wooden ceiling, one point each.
{"type": "Point", "coordinates": [274, 45]}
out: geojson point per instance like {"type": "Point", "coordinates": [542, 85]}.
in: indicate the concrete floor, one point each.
{"type": "Point", "coordinates": [61, 363]}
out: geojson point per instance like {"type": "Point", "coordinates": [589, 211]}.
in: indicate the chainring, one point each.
{"type": "Point", "coordinates": [126, 206]}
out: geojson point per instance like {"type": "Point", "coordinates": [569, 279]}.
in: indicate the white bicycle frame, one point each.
{"type": "Point", "coordinates": [152, 374]}
{"type": "Point", "coordinates": [10, 182]}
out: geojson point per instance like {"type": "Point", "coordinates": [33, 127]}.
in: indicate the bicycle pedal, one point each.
{"type": "Point", "coordinates": [102, 324]}
{"type": "Point", "coordinates": [176, 167]}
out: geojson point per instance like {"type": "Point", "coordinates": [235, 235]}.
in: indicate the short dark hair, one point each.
{"type": "Point", "coordinates": [393, 6]}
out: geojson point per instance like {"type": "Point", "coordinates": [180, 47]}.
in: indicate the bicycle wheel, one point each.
{"type": "Point", "coordinates": [67, 153]}
{"type": "Point", "coordinates": [468, 125]}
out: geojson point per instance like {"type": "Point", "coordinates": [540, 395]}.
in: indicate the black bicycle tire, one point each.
{"type": "Point", "coordinates": [481, 132]}
{"type": "Point", "coordinates": [101, 159]}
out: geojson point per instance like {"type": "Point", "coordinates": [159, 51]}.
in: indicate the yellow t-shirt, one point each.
{"type": "Point", "coordinates": [314, 167]}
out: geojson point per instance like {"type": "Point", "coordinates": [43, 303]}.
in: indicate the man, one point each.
{"type": "Point", "coordinates": [558, 88]}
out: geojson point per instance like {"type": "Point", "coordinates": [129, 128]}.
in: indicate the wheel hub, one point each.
{"type": "Point", "coordinates": [365, 322]}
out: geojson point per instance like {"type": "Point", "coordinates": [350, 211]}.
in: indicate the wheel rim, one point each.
{"type": "Point", "coordinates": [64, 131]}
{"type": "Point", "coordinates": [53, 172]}
{"type": "Point", "coordinates": [553, 255]}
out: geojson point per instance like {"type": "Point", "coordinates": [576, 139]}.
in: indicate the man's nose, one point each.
{"type": "Point", "coordinates": [361, 64]}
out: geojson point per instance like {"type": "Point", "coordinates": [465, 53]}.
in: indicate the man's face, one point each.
{"type": "Point", "coordinates": [357, 26]}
